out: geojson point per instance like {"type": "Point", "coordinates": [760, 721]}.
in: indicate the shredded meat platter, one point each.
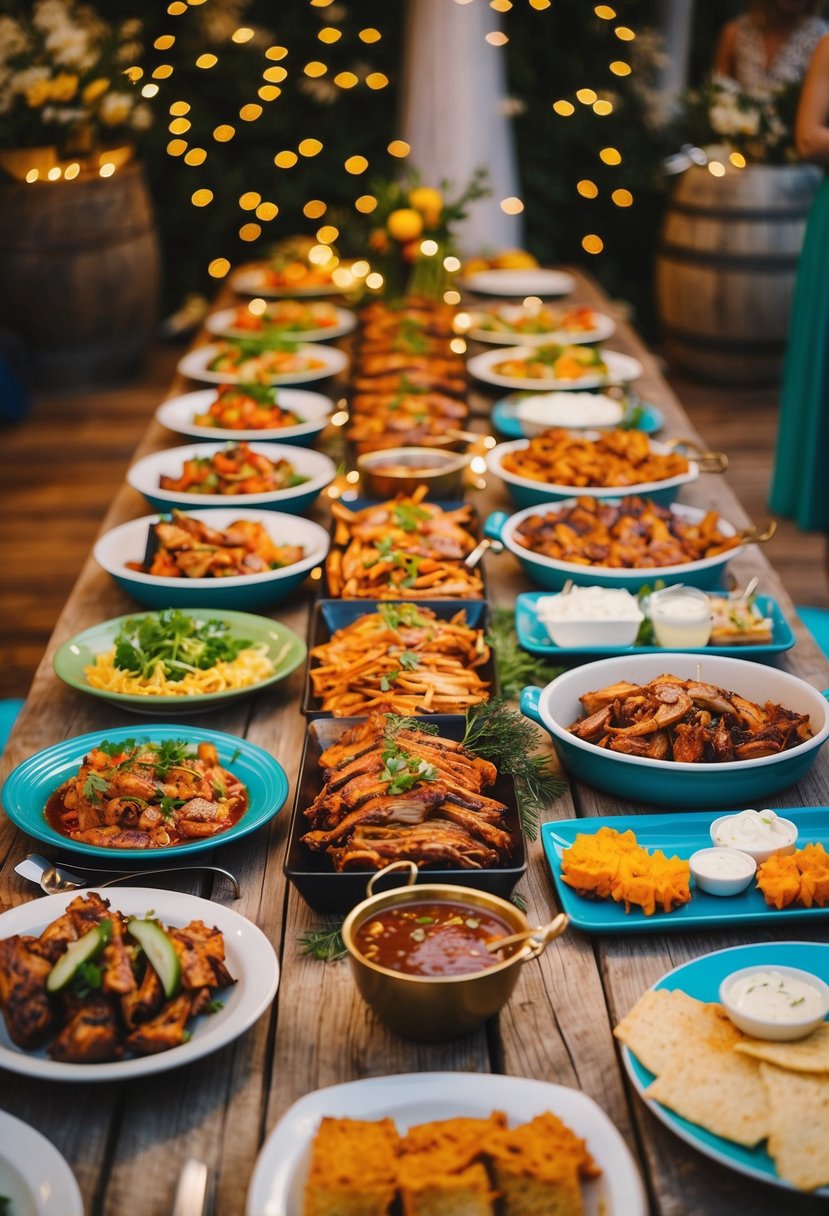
{"type": "Point", "coordinates": [313, 870]}
{"type": "Point", "coordinates": [688, 721]}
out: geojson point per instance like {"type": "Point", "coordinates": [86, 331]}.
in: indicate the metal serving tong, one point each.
{"type": "Point", "coordinates": [708, 462]}
{"type": "Point", "coordinates": [756, 535]}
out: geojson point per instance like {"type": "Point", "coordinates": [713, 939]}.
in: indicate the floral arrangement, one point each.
{"type": "Point", "coordinates": [411, 233]}
{"type": "Point", "coordinates": [64, 79]}
{"type": "Point", "coordinates": [760, 126]}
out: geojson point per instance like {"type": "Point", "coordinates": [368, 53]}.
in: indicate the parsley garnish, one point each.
{"type": "Point", "coordinates": [395, 615]}
{"type": "Point", "coordinates": [403, 771]}
{"type": "Point", "coordinates": [408, 660]}
{"type": "Point", "coordinates": [179, 643]}
{"type": "Point", "coordinates": [94, 785]}
{"type": "Point", "coordinates": [408, 516]}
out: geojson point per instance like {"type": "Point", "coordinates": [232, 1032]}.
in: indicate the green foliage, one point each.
{"type": "Point", "coordinates": [179, 643]}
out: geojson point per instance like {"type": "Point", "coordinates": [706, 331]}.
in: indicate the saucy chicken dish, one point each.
{"type": "Point", "coordinates": [184, 547]}
{"type": "Point", "coordinates": [132, 795]}
{"type": "Point", "coordinates": [97, 985]}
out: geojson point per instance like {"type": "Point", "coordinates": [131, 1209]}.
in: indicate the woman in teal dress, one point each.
{"type": "Point", "coordinates": [800, 482]}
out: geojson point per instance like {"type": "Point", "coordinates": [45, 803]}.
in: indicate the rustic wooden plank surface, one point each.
{"type": "Point", "coordinates": [133, 1138]}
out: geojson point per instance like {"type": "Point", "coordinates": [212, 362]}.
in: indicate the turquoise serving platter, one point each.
{"type": "Point", "coordinates": [681, 835]}
{"type": "Point", "coordinates": [29, 786]}
{"type": "Point", "coordinates": [701, 978]}
{"type": "Point", "coordinates": [533, 636]}
{"type": "Point", "coordinates": [643, 417]}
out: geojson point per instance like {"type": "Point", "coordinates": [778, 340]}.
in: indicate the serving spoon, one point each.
{"type": "Point", "coordinates": [55, 879]}
{"type": "Point", "coordinates": [542, 936]}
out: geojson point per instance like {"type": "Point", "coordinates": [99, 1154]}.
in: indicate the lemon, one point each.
{"type": "Point", "coordinates": [429, 202]}
{"type": "Point", "coordinates": [405, 224]}
{"type": "Point", "coordinates": [514, 259]}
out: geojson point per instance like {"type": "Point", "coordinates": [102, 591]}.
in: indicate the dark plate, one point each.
{"type": "Point", "coordinates": [357, 504]}
{"type": "Point", "coordinates": [329, 615]}
{"type": "Point", "coordinates": [313, 874]}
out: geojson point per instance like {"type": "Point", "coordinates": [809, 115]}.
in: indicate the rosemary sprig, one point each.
{"type": "Point", "coordinates": [325, 944]}
{"type": "Point", "coordinates": [503, 735]}
{"type": "Point", "coordinates": [515, 666]}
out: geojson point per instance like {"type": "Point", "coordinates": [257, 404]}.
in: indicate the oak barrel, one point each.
{"type": "Point", "coordinates": [80, 270]}
{"type": "Point", "coordinates": [726, 267]}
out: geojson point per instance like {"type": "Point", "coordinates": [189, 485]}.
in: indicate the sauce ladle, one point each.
{"type": "Point", "coordinates": [540, 937]}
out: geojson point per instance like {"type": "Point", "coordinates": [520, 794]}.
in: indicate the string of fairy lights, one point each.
{"type": "Point", "coordinates": [256, 210]}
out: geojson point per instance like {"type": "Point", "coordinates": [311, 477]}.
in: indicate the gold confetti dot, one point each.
{"type": "Point", "coordinates": [149, 90]}
{"type": "Point", "coordinates": [399, 147]}
{"type": "Point", "coordinates": [196, 156]}
{"type": "Point", "coordinates": [218, 268]}
{"type": "Point", "coordinates": [586, 96]}
{"type": "Point", "coordinates": [315, 68]}
{"type": "Point", "coordinates": [564, 108]}
{"type": "Point", "coordinates": [243, 34]}
{"type": "Point", "coordinates": [512, 206]}
{"type": "Point", "coordinates": [267, 211]}
{"type": "Point", "coordinates": [625, 33]}
{"type": "Point", "coordinates": [106, 170]}
{"type": "Point", "coordinates": [356, 164]}
{"type": "Point", "coordinates": [716, 168]}
{"type": "Point", "coordinates": [345, 80]}
{"type": "Point", "coordinates": [370, 35]}
{"type": "Point", "coordinates": [610, 156]}
{"type": "Point", "coordinates": [376, 80]}
{"type": "Point", "coordinates": [164, 42]}
{"type": "Point", "coordinates": [224, 132]}
{"type": "Point", "coordinates": [620, 68]}
{"type": "Point", "coordinates": [738, 160]}
{"type": "Point", "coordinates": [276, 52]}
{"type": "Point", "coordinates": [72, 171]}
{"type": "Point", "coordinates": [250, 112]}
{"type": "Point", "coordinates": [329, 34]}
{"type": "Point", "coordinates": [275, 75]}
{"type": "Point", "coordinates": [207, 61]}
{"type": "Point", "coordinates": [180, 107]}
{"type": "Point", "coordinates": [200, 198]}
{"type": "Point", "coordinates": [249, 200]}
{"type": "Point", "coordinates": [603, 107]}
{"type": "Point", "coordinates": [176, 8]}
{"type": "Point", "coordinates": [285, 159]}
{"type": "Point", "coordinates": [366, 203]}
{"type": "Point", "coordinates": [605, 12]}
{"type": "Point", "coordinates": [179, 125]}
{"type": "Point", "coordinates": [163, 71]}
{"type": "Point", "coordinates": [309, 147]}
{"type": "Point", "coordinates": [249, 232]}
{"type": "Point", "coordinates": [592, 243]}
{"type": "Point", "coordinates": [496, 38]}
{"type": "Point", "coordinates": [327, 234]}
{"type": "Point", "coordinates": [622, 198]}
{"type": "Point", "coordinates": [314, 209]}
{"type": "Point", "coordinates": [176, 147]}
{"type": "Point", "coordinates": [587, 189]}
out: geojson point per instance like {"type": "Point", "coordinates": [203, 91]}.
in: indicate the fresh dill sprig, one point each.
{"type": "Point", "coordinates": [518, 899]}
{"type": "Point", "coordinates": [515, 666]}
{"type": "Point", "coordinates": [501, 734]}
{"type": "Point", "coordinates": [397, 722]}
{"type": "Point", "coordinates": [325, 944]}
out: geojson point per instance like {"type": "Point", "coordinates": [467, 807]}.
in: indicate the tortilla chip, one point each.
{"type": "Point", "coordinates": [664, 1022]}
{"type": "Point", "coordinates": [710, 1084]}
{"type": "Point", "coordinates": [799, 1137]}
{"type": "Point", "coordinates": [804, 1055]}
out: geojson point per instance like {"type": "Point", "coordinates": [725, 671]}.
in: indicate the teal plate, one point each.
{"type": "Point", "coordinates": [533, 636]}
{"type": "Point", "coordinates": [29, 786]}
{"type": "Point", "coordinates": [644, 417]}
{"type": "Point", "coordinates": [284, 648]}
{"type": "Point", "coordinates": [701, 978]}
{"type": "Point", "coordinates": [682, 835]}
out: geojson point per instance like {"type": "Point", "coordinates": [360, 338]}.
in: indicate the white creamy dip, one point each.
{"type": "Point", "coordinates": [570, 409]}
{"type": "Point", "coordinates": [590, 604]}
{"type": "Point", "coordinates": [681, 617]}
{"type": "Point", "coordinates": [754, 830]}
{"type": "Point", "coordinates": [723, 863]}
{"type": "Point", "coordinates": [776, 997]}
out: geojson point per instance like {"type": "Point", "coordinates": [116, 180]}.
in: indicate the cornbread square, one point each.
{"type": "Point", "coordinates": [353, 1168]}
{"type": "Point", "coordinates": [451, 1144]}
{"type": "Point", "coordinates": [467, 1193]}
{"type": "Point", "coordinates": [538, 1167]}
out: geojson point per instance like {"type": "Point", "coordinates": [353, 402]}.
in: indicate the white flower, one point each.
{"type": "Point", "coordinates": [749, 122]}
{"type": "Point", "coordinates": [51, 15]}
{"type": "Point", "coordinates": [13, 40]}
{"type": "Point", "coordinates": [142, 118]}
{"type": "Point", "coordinates": [22, 81]}
{"type": "Point", "coordinates": [130, 28]}
{"type": "Point", "coordinates": [69, 46]}
{"type": "Point", "coordinates": [115, 109]}
{"type": "Point", "coordinates": [725, 119]}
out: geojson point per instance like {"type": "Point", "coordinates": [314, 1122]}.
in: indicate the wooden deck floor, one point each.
{"type": "Point", "coordinates": [62, 465]}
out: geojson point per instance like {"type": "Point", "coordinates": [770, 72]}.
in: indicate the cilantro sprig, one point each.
{"type": "Point", "coordinates": [180, 644]}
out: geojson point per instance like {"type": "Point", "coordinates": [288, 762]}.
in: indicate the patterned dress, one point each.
{"type": "Point", "coordinates": [789, 63]}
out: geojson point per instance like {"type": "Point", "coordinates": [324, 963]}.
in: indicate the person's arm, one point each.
{"type": "Point", "coordinates": [724, 60]}
{"type": "Point", "coordinates": [812, 124]}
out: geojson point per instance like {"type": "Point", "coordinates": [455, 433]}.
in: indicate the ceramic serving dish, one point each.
{"type": "Point", "coordinates": [737, 783]}
{"type": "Point", "coordinates": [179, 414]}
{"type": "Point", "coordinates": [317, 470]}
{"type": "Point", "coordinates": [128, 542]}
{"type": "Point", "coordinates": [551, 574]}
{"type": "Point", "coordinates": [391, 471]}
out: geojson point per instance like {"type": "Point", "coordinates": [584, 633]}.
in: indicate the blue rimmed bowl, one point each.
{"type": "Point", "coordinates": [244, 592]}
{"type": "Point", "coordinates": [551, 574]}
{"type": "Point", "coordinates": [30, 785]}
{"type": "Point", "coordinates": [318, 470]}
{"type": "Point", "coordinates": [526, 492]}
{"type": "Point", "coordinates": [668, 783]}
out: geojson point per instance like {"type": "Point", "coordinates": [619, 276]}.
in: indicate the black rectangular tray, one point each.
{"type": "Point", "coordinates": [313, 874]}
{"type": "Point", "coordinates": [327, 616]}
{"type": "Point", "coordinates": [357, 504]}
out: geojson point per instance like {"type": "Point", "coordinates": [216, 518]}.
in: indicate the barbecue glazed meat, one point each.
{"type": "Point", "coordinates": [26, 1007]}
{"type": "Point", "coordinates": [687, 721]}
{"type": "Point", "coordinates": [406, 794]}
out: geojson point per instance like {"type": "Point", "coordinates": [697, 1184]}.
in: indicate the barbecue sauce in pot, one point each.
{"type": "Point", "coordinates": [431, 938]}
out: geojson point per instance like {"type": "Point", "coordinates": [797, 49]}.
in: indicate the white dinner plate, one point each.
{"type": "Point", "coordinates": [603, 328]}
{"type": "Point", "coordinates": [621, 369]}
{"type": "Point", "coordinates": [276, 1188]}
{"type": "Point", "coordinates": [33, 1174]}
{"type": "Point", "coordinates": [194, 364]}
{"type": "Point", "coordinates": [221, 323]}
{"type": "Point", "coordinates": [534, 281]}
{"type": "Point", "coordinates": [250, 281]}
{"type": "Point", "coordinates": [250, 960]}
{"type": "Point", "coordinates": [178, 413]}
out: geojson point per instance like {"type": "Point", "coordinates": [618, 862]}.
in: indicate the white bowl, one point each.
{"type": "Point", "coordinates": [541, 411]}
{"type": "Point", "coordinates": [573, 631]}
{"type": "Point", "coordinates": [178, 413]}
{"type": "Point", "coordinates": [759, 853]}
{"type": "Point", "coordinates": [245, 592]}
{"type": "Point", "coordinates": [660, 491]}
{"type": "Point", "coordinates": [145, 475]}
{"type": "Point", "coordinates": [707, 879]}
{"type": "Point", "coordinates": [763, 1028]}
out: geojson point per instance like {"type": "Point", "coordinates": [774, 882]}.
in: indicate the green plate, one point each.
{"type": "Point", "coordinates": [285, 649]}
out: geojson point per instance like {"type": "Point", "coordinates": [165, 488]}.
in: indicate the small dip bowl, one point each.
{"type": "Point", "coordinates": [432, 1008]}
{"type": "Point", "coordinates": [760, 852]}
{"type": "Point", "coordinates": [591, 616]}
{"type": "Point", "coordinates": [722, 871]}
{"type": "Point", "coordinates": [392, 471]}
{"type": "Point", "coordinates": [794, 1022]}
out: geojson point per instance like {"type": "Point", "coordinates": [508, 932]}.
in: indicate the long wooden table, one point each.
{"type": "Point", "coordinates": [127, 1141]}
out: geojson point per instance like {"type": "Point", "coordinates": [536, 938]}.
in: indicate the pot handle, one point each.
{"type": "Point", "coordinates": [390, 869]}
{"type": "Point", "coordinates": [541, 937]}
{"type": "Point", "coordinates": [494, 525]}
{"type": "Point", "coordinates": [530, 697]}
